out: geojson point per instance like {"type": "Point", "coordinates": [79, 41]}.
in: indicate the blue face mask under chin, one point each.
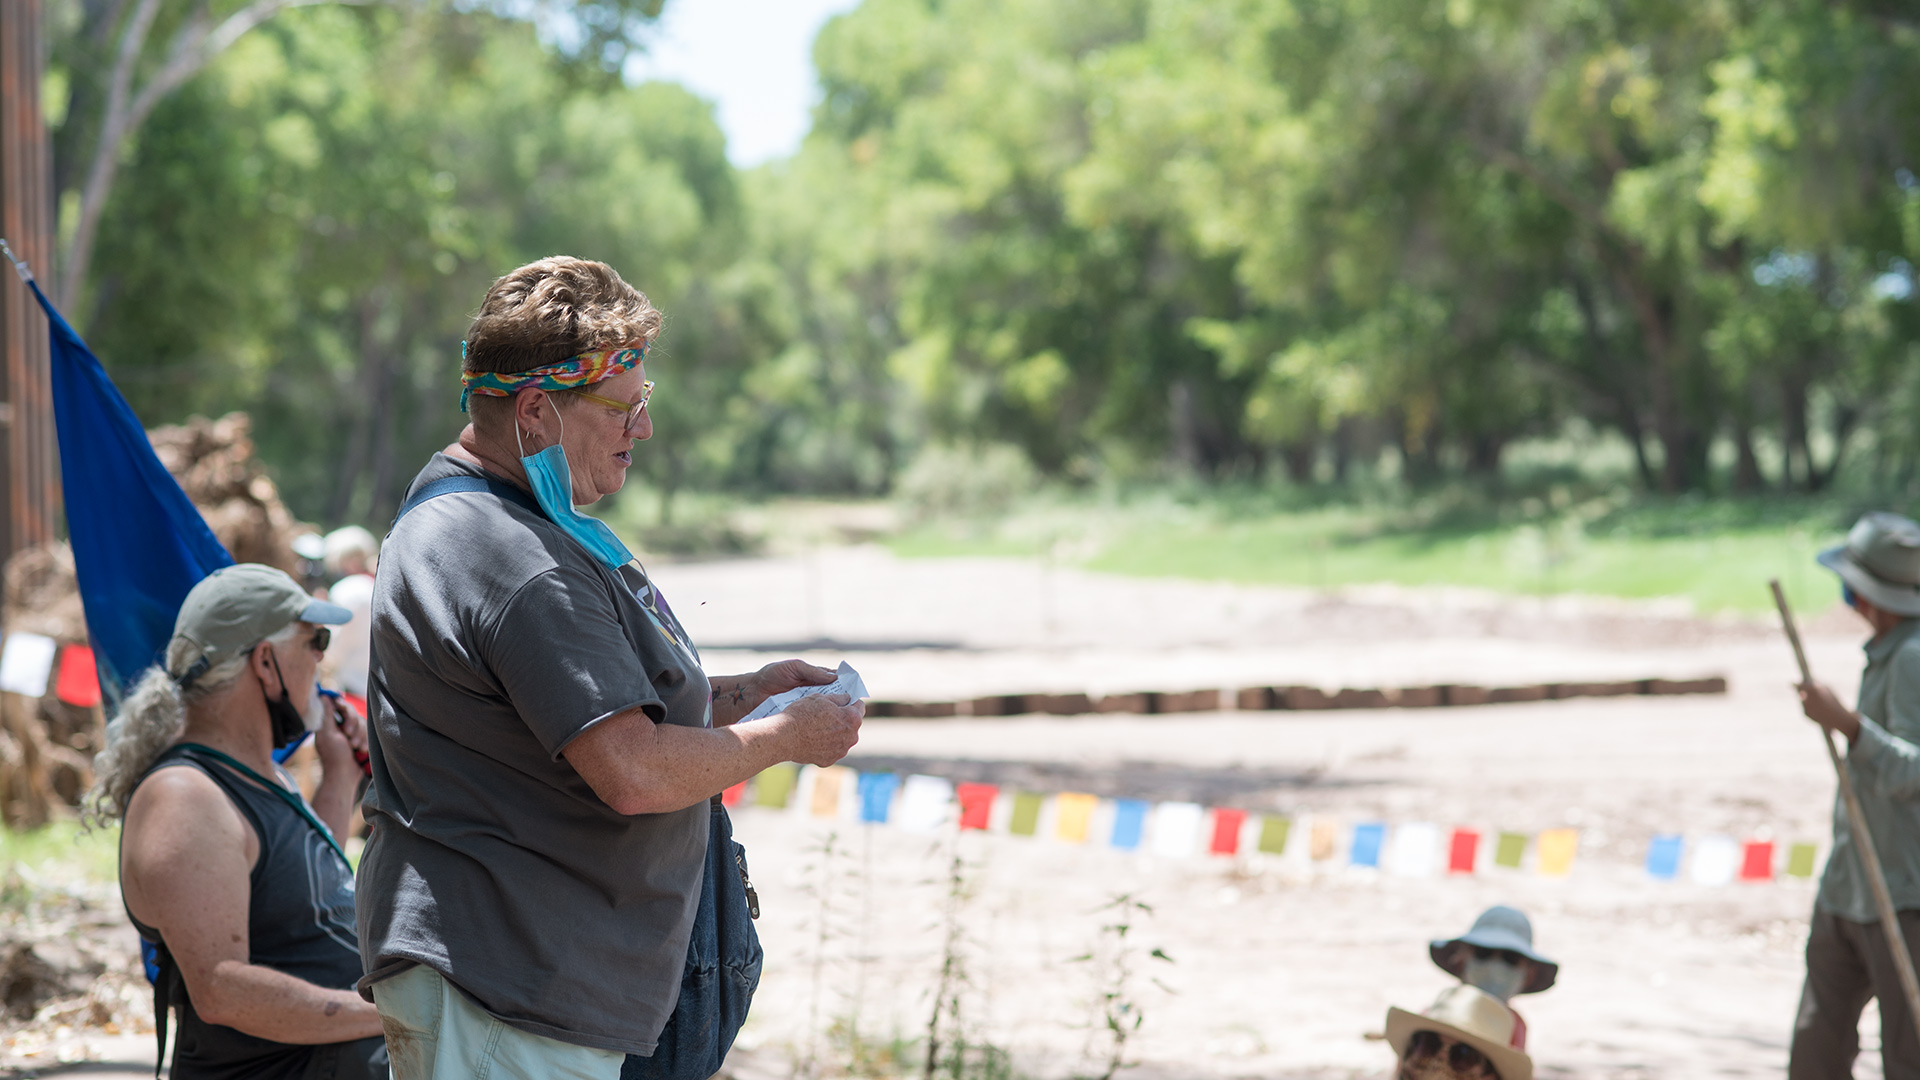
{"type": "Point", "coordinates": [552, 482]}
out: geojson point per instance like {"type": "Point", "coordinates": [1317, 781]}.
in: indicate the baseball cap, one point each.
{"type": "Point", "coordinates": [235, 608]}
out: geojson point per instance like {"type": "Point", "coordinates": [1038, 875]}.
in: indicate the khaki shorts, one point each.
{"type": "Point", "coordinates": [435, 1033]}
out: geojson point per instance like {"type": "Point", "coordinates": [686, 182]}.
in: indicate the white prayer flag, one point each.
{"type": "Point", "coordinates": [924, 803]}
{"type": "Point", "coordinates": [1716, 859]}
{"type": "Point", "coordinates": [1414, 847]}
{"type": "Point", "coordinates": [26, 663]}
{"type": "Point", "coordinates": [1175, 828]}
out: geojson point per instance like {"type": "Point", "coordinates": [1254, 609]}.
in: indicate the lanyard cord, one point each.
{"type": "Point", "coordinates": [299, 804]}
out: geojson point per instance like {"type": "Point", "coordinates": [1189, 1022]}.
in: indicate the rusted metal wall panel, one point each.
{"type": "Point", "coordinates": [31, 461]}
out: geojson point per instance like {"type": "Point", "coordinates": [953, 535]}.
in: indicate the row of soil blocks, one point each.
{"type": "Point", "coordinates": [1285, 699]}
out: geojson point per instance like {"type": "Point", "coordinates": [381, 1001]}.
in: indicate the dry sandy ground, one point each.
{"type": "Point", "coordinates": [1281, 966]}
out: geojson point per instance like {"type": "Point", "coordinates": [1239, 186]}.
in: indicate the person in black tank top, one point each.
{"type": "Point", "coordinates": [238, 886]}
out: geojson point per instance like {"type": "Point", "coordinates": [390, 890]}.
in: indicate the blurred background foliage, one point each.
{"type": "Point", "coordinates": [1238, 243]}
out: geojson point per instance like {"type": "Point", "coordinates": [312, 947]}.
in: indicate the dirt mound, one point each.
{"type": "Point", "coordinates": [214, 463]}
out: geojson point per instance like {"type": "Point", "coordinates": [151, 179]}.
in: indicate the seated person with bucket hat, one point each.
{"type": "Point", "coordinates": [1467, 1034]}
{"type": "Point", "coordinates": [235, 882]}
{"type": "Point", "coordinates": [1497, 956]}
{"type": "Point", "coordinates": [1848, 960]}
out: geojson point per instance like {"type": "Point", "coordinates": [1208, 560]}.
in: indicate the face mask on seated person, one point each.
{"type": "Point", "coordinates": [1498, 977]}
{"type": "Point", "coordinates": [289, 721]}
{"type": "Point", "coordinates": [552, 482]}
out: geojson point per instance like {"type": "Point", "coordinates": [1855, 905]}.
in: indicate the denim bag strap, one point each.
{"type": "Point", "coordinates": [722, 972]}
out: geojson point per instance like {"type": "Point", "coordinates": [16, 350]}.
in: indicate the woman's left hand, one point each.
{"type": "Point", "coordinates": [734, 696]}
{"type": "Point", "coordinates": [789, 675]}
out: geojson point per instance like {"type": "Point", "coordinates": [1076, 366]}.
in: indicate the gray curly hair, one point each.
{"type": "Point", "coordinates": [149, 720]}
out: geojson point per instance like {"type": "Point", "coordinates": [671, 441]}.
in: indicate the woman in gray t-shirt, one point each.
{"type": "Point", "coordinates": [546, 744]}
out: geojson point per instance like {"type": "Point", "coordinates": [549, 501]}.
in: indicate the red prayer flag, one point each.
{"type": "Point", "coordinates": [1756, 863]}
{"type": "Point", "coordinates": [976, 804]}
{"type": "Point", "coordinates": [79, 681]}
{"type": "Point", "coordinates": [359, 703]}
{"type": "Point", "coordinates": [733, 795]}
{"type": "Point", "coordinates": [1226, 830]}
{"type": "Point", "coordinates": [1462, 851]}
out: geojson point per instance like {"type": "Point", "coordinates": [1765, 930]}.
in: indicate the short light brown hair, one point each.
{"type": "Point", "coordinates": [549, 310]}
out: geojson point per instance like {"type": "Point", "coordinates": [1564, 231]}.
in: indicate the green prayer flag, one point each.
{"type": "Point", "coordinates": [774, 786]}
{"type": "Point", "coordinates": [1026, 814]}
{"type": "Point", "coordinates": [1509, 850]}
{"type": "Point", "coordinates": [1800, 860]}
{"type": "Point", "coordinates": [1273, 834]}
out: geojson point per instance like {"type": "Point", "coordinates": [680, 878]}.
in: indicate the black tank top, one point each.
{"type": "Point", "coordinates": [299, 921]}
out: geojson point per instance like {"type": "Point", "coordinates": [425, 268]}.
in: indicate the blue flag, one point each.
{"type": "Point", "coordinates": [138, 542]}
{"type": "Point", "coordinates": [1663, 857]}
{"type": "Point", "coordinates": [876, 795]}
{"type": "Point", "coordinates": [1367, 840]}
{"type": "Point", "coordinates": [1129, 817]}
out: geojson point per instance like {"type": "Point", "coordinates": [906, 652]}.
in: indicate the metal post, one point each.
{"type": "Point", "coordinates": [26, 220]}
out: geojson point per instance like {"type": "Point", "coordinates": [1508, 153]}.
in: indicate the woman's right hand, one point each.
{"type": "Point", "coordinates": [821, 728]}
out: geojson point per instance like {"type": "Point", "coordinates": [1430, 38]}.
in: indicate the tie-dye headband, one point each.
{"type": "Point", "coordinates": [573, 372]}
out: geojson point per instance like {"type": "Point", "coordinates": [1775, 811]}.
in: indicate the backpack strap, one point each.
{"type": "Point", "coordinates": [166, 975]}
{"type": "Point", "coordinates": [448, 485]}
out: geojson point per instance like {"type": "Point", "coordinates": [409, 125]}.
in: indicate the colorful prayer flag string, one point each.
{"type": "Point", "coordinates": [1179, 829]}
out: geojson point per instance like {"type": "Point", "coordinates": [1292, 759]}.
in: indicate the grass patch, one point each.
{"type": "Point", "coordinates": [1715, 553]}
{"type": "Point", "coordinates": [59, 853]}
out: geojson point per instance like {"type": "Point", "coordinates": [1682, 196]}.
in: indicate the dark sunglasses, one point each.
{"type": "Point", "coordinates": [1460, 1057]}
{"type": "Point", "coordinates": [322, 638]}
{"type": "Point", "coordinates": [1508, 955]}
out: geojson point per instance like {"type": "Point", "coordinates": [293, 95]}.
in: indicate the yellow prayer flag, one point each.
{"type": "Point", "coordinates": [1321, 842]}
{"type": "Point", "coordinates": [1554, 849]}
{"type": "Point", "coordinates": [1073, 811]}
{"type": "Point", "coordinates": [826, 791]}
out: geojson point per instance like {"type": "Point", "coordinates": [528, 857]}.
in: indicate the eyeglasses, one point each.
{"type": "Point", "coordinates": [633, 409]}
{"type": "Point", "coordinates": [1460, 1057]}
{"type": "Point", "coordinates": [321, 638]}
{"type": "Point", "coordinates": [1481, 952]}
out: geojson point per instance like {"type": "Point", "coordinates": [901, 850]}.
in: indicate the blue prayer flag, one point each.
{"type": "Point", "coordinates": [1663, 857]}
{"type": "Point", "coordinates": [1367, 840]}
{"type": "Point", "coordinates": [876, 795]}
{"type": "Point", "coordinates": [1129, 818]}
{"type": "Point", "coordinates": [138, 542]}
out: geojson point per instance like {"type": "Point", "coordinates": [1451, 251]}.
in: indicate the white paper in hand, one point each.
{"type": "Point", "coordinates": [847, 683]}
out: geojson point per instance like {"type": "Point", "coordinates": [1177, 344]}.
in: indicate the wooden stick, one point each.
{"type": "Point", "coordinates": [1862, 841]}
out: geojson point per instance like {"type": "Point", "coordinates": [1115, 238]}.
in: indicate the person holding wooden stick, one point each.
{"type": "Point", "coordinates": [1848, 958]}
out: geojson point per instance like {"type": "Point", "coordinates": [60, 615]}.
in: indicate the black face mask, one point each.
{"type": "Point", "coordinates": [288, 724]}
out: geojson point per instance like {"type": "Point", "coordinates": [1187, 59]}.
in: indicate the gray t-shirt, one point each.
{"type": "Point", "coordinates": [496, 641]}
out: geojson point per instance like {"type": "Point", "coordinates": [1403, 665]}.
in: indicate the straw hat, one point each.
{"type": "Point", "coordinates": [1471, 1016]}
{"type": "Point", "coordinates": [1881, 562]}
{"type": "Point", "coordinates": [1498, 928]}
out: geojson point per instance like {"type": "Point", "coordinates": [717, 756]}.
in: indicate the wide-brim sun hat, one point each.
{"type": "Point", "coordinates": [1472, 1016]}
{"type": "Point", "coordinates": [1498, 928]}
{"type": "Point", "coordinates": [1880, 562]}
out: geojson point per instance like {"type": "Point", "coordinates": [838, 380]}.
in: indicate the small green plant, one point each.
{"type": "Point", "coordinates": [821, 884]}
{"type": "Point", "coordinates": [948, 988]}
{"type": "Point", "coordinates": [954, 1048]}
{"type": "Point", "coordinates": [1117, 1011]}
{"type": "Point", "coordinates": [866, 1057]}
